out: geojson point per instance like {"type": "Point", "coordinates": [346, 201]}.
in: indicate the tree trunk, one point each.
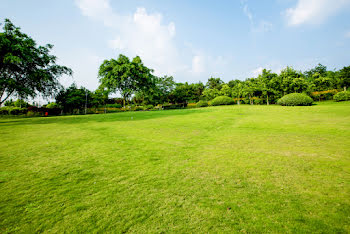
{"type": "Point", "coordinates": [267, 100]}
{"type": "Point", "coordinates": [344, 88]}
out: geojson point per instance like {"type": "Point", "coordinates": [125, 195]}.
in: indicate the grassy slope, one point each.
{"type": "Point", "coordinates": [216, 169]}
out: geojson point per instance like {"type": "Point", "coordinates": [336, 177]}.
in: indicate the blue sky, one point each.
{"type": "Point", "coordinates": [191, 40]}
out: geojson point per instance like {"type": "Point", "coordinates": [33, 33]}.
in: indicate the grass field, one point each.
{"type": "Point", "coordinates": [216, 169]}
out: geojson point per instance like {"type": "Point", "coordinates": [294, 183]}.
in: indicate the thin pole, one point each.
{"type": "Point", "coordinates": [85, 100]}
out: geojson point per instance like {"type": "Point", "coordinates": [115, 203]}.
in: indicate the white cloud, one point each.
{"type": "Point", "coordinates": [142, 33]}
{"type": "Point", "coordinates": [198, 64]}
{"type": "Point", "coordinates": [261, 26]}
{"type": "Point", "coordinates": [148, 35]}
{"type": "Point", "coordinates": [313, 11]}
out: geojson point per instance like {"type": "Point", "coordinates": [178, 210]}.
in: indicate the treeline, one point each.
{"type": "Point", "coordinates": [138, 87]}
{"type": "Point", "coordinates": [141, 90]}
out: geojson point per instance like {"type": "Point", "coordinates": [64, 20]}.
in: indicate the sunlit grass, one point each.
{"type": "Point", "coordinates": [216, 169]}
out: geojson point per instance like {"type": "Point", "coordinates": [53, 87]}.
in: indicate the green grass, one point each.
{"type": "Point", "coordinates": [216, 169]}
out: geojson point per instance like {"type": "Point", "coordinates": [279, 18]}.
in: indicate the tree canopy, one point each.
{"type": "Point", "coordinates": [26, 69]}
{"type": "Point", "coordinates": [124, 76]}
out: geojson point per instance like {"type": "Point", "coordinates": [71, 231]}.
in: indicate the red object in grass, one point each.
{"type": "Point", "coordinates": [46, 113]}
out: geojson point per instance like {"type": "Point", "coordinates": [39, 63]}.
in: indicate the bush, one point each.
{"type": "Point", "coordinates": [52, 105]}
{"type": "Point", "coordinates": [115, 105]}
{"type": "Point", "coordinates": [191, 105]}
{"type": "Point", "coordinates": [222, 100]}
{"type": "Point", "coordinates": [138, 108]}
{"type": "Point", "coordinates": [342, 96]}
{"type": "Point", "coordinates": [4, 110]}
{"type": "Point", "coordinates": [149, 107]}
{"type": "Point", "coordinates": [202, 103]}
{"type": "Point", "coordinates": [257, 101]}
{"type": "Point", "coordinates": [295, 99]}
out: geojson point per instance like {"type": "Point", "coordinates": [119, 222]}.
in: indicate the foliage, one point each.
{"type": "Point", "coordinates": [116, 105]}
{"type": "Point", "coordinates": [191, 105]}
{"type": "Point", "coordinates": [342, 96]}
{"type": "Point", "coordinates": [344, 77]}
{"type": "Point", "coordinates": [210, 94]}
{"type": "Point", "coordinates": [214, 83]}
{"type": "Point", "coordinates": [222, 100]}
{"type": "Point", "coordinates": [149, 107]}
{"type": "Point", "coordinates": [26, 69]}
{"type": "Point", "coordinates": [295, 99]}
{"type": "Point", "coordinates": [12, 110]}
{"type": "Point", "coordinates": [124, 76]}
{"type": "Point", "coordinates": [52, 105]}
{"type": "Point", "coordinates": [73, 99]}
{"type": "Point", "coordinates": [202, 103]}
{"type": "Point", "coordinates": [324, 95]}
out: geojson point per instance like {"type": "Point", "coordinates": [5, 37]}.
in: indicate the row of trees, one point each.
{"type": "Point", "coordinates": [133, 79]}
{"type": "Point", "coordinates": [27, 69]}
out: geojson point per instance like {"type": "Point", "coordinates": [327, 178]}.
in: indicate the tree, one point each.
{"type": "Point", "coordinates": [158, 91]}
{"type": "Point", "coordinates": [287, 76]}
{"type": "Point", "coordinates": [214, 83]}
{"type": "Point", "coordinates": [226, 90]}
{"type": "Point", "coordinates": [25, 68]}
{"type": "Point", "coordinates": [320, 69]}
{"type": "Point", "coordinates": [73, 98]}
{"type": "Point", "coordinates": [344, 77]}
{"type": "Point", "coordinates": [124, 76]}
{"type": "Point", "coordinates": [266, 79]}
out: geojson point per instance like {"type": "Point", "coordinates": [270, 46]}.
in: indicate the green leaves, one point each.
{"type": "Point", "coordinates": [124, 75]}
{"type": "Point", "coordinates": [25, 68]}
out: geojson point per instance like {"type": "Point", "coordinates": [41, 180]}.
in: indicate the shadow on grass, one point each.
{"type": "Point", "coordinates": [110, 117]}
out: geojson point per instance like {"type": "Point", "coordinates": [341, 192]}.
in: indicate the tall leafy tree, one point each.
{"type": "Point", "coordinates": [124, 76]}
{"type": "Point", "coordinates": [214, 83]}
{"type": "Point", "coordinates": [74, 98]}
{"type": "Point", "coordinates": [26, 69]}
{"type": "Point", "coordinates": [266, 82]}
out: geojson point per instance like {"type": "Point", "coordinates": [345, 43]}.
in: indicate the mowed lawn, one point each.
{"type": "Point", "coordinates": [216, 169]}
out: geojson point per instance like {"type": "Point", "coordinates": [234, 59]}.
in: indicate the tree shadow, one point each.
{"type": "Point", "coordinates": [109, 117]}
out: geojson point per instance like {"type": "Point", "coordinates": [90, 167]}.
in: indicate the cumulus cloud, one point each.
{"type": "Point", "coordinates": [141, 33]}
{"type": "Point", "coordinates": [147, 35]}
{"type": "Point", "coordinates": [313, 11]}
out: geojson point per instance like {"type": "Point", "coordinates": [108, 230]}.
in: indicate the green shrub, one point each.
{"type": "Point", "coordinates": [17, 111]}
{"type": "Point", "coordinates": [4, 110]}
{"type": "Point", "coordinates": [222, 100]}
{"type": "Point", "coordinates": [295, 99]}
{"type": "Point", "coordinates": [342, 96]}
{"type": "Point", "coordinates": [33, 114]}
{"type": "Point", "coordinates": [21, 103]}
{"type": "Point", "coordinates": [116, 105]}
{"type": "Point", "coordinates": [52, 105]}
{"type": "Point", "coordinates": [138, 108]}
{"type": "Point", "coordinates": [202, 103]}
{"type": "Point", "coordinates": [149, 107]}
{"type": "Point", "coordinates": [191, 105]}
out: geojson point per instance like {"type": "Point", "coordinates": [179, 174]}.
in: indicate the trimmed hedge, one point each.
{"type": "Point", "coordinates": [222, 100]}
{"type": "Point", "coordinates": [342, 96]}
{"type": "Point", "coordinates": [295, 99]}
{"type": "Point", "coordinates": [202, 103]}
{"type": "Point", "coordinates": [11, 110]}
{"type": "Point", "coordinates": [115, 105]}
